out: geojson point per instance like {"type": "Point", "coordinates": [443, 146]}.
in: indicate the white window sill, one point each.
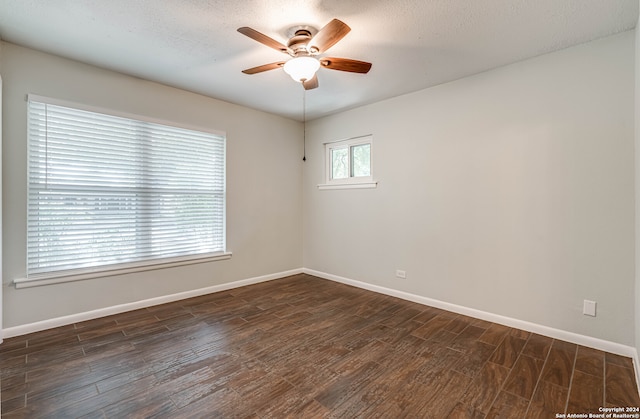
{"type": "Point", "coordinates": [50, 279]}
{"type": "Point", "coordinates": [358, 185]}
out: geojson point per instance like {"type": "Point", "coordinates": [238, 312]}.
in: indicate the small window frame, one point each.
{"type": "Point", "coordinates": [349, 182]}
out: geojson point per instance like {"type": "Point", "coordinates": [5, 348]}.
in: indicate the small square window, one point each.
{"type": "Point", "coordinates": [349, 163]}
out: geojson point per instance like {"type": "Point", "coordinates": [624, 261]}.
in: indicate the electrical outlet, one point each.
{"type": "Point", "coordinates": [401, 274]}
{"type": "Point", "coordinates": [589, 308]}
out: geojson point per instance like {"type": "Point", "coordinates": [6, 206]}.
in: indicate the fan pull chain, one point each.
{"type": "Point", "coordinates": [304, 124]}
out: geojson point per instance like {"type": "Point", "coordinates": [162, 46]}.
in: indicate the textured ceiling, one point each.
{"type": "Point", "coordinates": [413, 44]}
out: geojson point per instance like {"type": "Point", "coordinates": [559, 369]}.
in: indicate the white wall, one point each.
{"type": "Point", "coordinates": [637, 186]}
{"type": "Point", "coordinates": [1, 330]}
{"type": "Point", "coordinates": [264, 170]}
{"type": "Point", "coordinates": [510, 192]}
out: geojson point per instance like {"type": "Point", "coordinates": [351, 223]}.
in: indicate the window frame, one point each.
{"type": "Point", "coordinates": [350, 182]}
{"type": "Point", "coordinates": [144, 264]}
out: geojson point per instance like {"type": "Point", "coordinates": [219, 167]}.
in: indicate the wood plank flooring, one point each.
{"type": "Point", "coordinates": [303, 347]}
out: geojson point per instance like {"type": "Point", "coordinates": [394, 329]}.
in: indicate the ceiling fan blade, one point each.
{"type": "Point", "coordinates": [263, 39]}
{"type": "Point", "coordinates": [346, 64]}
{"type": "Point", "coordinates": [328, 36]}
{"type": "Point", "coordinates": [264, 67]}
{"type": "Point", "coordinates": [311, 84]}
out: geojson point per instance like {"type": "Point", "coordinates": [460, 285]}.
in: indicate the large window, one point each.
{"type": "Point", "coordinates": [348, 163]}
{"type": "Point", "coordinates": [110, 192]}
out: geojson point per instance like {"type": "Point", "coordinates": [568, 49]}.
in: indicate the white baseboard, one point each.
{"type": "Point", "coordinates": [551, 332]}
{"type": "Point", "coordinates": [121, 308]}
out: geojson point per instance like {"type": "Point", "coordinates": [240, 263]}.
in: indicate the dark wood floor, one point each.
{"type": "Point", "coordinates": [303, 347]}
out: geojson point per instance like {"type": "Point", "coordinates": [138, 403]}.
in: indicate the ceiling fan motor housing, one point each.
{"type": "Point", "coordinates": [299, 43]}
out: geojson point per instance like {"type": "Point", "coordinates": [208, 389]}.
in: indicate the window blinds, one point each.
{"type": "Point", "coordinates": [106, 191]}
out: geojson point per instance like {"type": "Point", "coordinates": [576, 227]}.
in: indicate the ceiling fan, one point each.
{"type": "Point", "coordinates": [305, 45]}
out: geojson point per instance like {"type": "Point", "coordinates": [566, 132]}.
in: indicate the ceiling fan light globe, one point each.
{"type": "Point", "coordinates": [302, 68]}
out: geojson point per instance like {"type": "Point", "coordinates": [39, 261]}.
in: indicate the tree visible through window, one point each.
{"type": "Point", "coordinates": [361, 160]}
{"type": "Point", "coordinates": [340, 163]}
